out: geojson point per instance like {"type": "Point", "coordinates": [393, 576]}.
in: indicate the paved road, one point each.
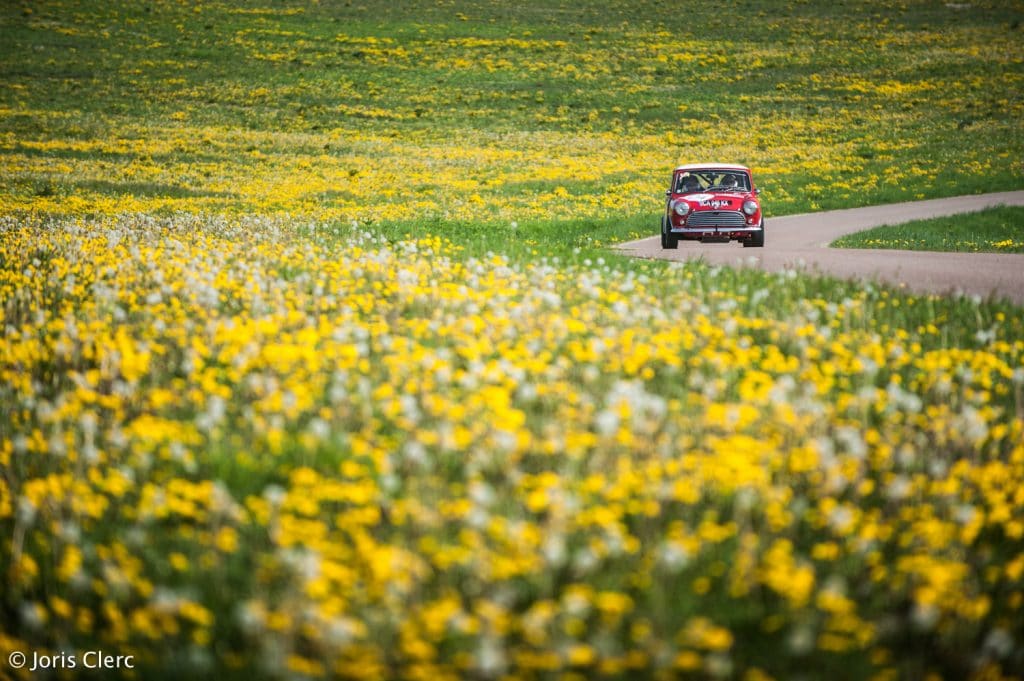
{"type": "Point", "coordinates": [801, 242]}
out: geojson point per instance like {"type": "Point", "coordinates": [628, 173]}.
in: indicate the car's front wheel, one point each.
{"type": "Point", "coordinates": [668, 239]}
{"type": "Point", "coordinates": [757, 239]}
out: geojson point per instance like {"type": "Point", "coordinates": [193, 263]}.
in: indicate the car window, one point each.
{"type": "Point", "coordinates": [701, 180]}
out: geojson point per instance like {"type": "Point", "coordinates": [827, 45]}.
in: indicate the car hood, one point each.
{"type": "Point", "coordinates": [716, 200]}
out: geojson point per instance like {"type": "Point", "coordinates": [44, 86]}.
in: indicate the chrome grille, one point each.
{"type": "Point", "coordinates": [716, 218]}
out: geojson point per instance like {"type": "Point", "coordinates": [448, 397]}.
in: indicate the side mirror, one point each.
{"type": "Point", "coordinates": [757, 191]}
{"type": "Point", "coordinates": [668, 192]}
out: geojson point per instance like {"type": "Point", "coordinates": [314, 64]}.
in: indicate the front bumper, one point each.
{"type": "Point", "coordinates": [712, 235]}
{"type": "Point", "coordinates": [711, 231]}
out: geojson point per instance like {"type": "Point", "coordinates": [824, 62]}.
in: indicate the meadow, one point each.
{"type": "Point", "coordinates": [315, 364]}
{"type": "Point", "coordinates": [997, 230]}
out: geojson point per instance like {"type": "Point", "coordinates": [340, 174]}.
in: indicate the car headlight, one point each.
{"type": "Point", "coordinates": [750, 207]}
{"type": "Point", "coordinates": [681, 208]}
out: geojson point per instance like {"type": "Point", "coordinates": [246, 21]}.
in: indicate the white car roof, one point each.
{"type": "Point", "coordinates": [712, 166]}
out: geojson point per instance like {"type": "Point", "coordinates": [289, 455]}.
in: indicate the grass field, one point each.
{"type": "Point", "coordinates": [349, 111]}
{"type": "Point", "coordinates": [315, 364]}
{"type": "Point", "coordinates": [998, 230]}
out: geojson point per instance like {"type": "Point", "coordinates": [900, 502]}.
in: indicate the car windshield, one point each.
{"type": "Point", "coordinates": [711, 179]}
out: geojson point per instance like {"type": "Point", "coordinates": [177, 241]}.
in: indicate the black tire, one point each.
{"type": "Point", "coordinates": [668, 240]}
{"type": "Point", "coordinates": [757, 240]}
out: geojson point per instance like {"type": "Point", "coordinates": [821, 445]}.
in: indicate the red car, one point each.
{"type": "Point", "coordinates": [716, 203]}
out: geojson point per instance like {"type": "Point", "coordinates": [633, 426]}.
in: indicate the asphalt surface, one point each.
{"type": "Point", "coordinates": [801, 242]}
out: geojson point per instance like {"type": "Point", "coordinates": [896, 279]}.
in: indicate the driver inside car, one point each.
{"type": "Point", "coordinates": [690, 184]}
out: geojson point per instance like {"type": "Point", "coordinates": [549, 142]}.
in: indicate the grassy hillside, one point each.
{"type": "Point", "coordinates": [314, 364]}
{"type": "Point", "coordinates": [484, 112]}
